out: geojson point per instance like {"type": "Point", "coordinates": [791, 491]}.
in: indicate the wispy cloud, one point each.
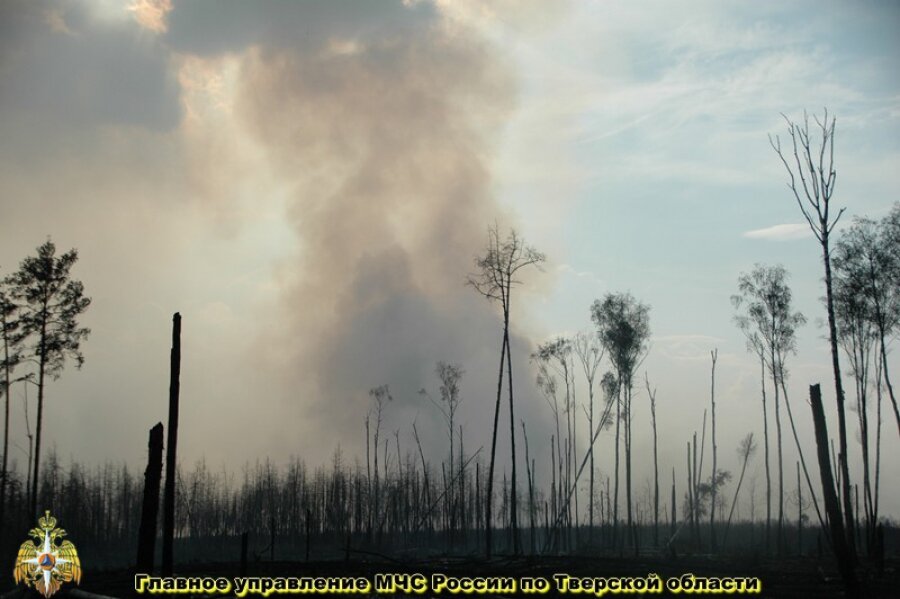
{"type": "Point", "coordinates": [689, 346]}
{"type": "Point", "coordinates": [785, 232]}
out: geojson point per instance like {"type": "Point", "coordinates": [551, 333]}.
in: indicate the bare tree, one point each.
{"type": "Point", "coordinates": [746, 448]}
{"type": "Point", "coordinates": [651, 393]}
{"type": "Point", "coordinates": [557, 354]}
{"type": "Point", "coordinates": [497, 272]}
{"type": "Point", "coordinates": [449, 375]}
{"type": "Point", "coordinates": [546, 383]}
{"type": "Point", "coordinates": [714, 354]}
{"type": "Point", "coordinates": [812, 179]}
{"type": "Point", "coordinates": [590, 353]}
{"type": "Point", "coordinates": [380, 395]}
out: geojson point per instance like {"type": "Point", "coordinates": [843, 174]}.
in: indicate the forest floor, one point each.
{"type": "Point", "coordinates": [804, 577]}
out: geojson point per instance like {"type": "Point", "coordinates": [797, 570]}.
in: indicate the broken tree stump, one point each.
{"type": "Point", "coordinates": [169, 499]}
{"type": "Point", "coordinates": [150, 506]}
{"type": "Point", "coordinates": [832, 506]}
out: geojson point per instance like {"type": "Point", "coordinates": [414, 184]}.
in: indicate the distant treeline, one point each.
{"type": "Point", "coordinates": [328, 512]}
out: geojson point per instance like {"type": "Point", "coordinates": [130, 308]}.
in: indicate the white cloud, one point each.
{"type": "Point", "coordinates": [785, 232]}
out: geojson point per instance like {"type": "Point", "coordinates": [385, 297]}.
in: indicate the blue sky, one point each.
{"type": "Point", "coordinates": [641, 148]}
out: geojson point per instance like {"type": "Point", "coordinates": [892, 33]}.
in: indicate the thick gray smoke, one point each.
{"type": "Point", "coordinates": [385, 133]}
{"type": "Point", "coordinates": [174, 126]}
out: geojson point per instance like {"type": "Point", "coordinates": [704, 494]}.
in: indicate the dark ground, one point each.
{"type": "Point", "coordinates": [790, 577]}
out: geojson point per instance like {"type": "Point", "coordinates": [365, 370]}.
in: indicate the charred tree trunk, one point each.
{"type": "Point", "coordinates": [674, 515]}
{"type": "Point", "coordinates": [150, 507]}
{"type": "Point", "coordinates": [839, 543]}
{"type": "Point", "coordinates": [169, 499]}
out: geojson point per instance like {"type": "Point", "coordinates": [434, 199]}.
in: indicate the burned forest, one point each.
{"type": "Point", "coordinates": [438, 297]}
{"type": "Point", "coordinates": [400, 502]}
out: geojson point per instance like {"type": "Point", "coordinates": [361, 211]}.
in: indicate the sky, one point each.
{"type": "Point", "coordinates": [309, 183]}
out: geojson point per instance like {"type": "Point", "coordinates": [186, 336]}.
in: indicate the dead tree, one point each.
{"type": "Point", "coordinates": [150, 506]}
{"type": "Point", "coordinates": [674, 513]}
{"type": "Point", "coordinates": [746, 449]}
{"type": "Point", "coordinates": [814, 168]}
{"type": "Point", "coordinates": [380, 395]}
{"type": "Point", "coordinates": [529, 470]}
{"type": "Point", "coordinates": [712, 503]}
{"type": "Point", "coordinates": [449, 375]}
{"type": "Point", "coordinates": [839, 542]}
{"type": "Point", "coordinates": [497, 274]}
{"type": "Point", "coordinates": [169, 498]}
{"type": "Point", "coordinates": [557, 354]}
{"type": "Point", "coordinates": [590, 353]}
{"type": "Point", "coordinates": [652, 395]}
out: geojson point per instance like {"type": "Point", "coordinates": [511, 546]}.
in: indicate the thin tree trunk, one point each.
{"type": "Point", "coordinates": [513, 504]}
{"type": "Point", "coordinates": [529, 472]}
{"type": "Point", "coordinates": [674, 516]}
{"type": "Point", "coordinates": [6, 386]}
{"type": "Point", "coordinates": [615, 534]}
{"type": "Point", "coordinates": [698, 474]}
{"type": "Point", "coordinates": [655, 467]}
{"type": "Point", "coordinates": [574, 451]}
{"type": "Point", "coordinates": [879, 395]}
{"type": "Point", "coordinates": [809, 484]}
{"type": "Point", "coordinates": [887, 378]}
{"type": "Point", "coordinates": [780, 540]}
{"type": "Point", "coordinates": [799, 513]}
{"type": "Point", "coordinates": [712, 501]}
{"type": "Point", "coordinates": [591, 484]}
{"type": "Point", "coordinates": [738, 490]}
{"type": "Point", "coordinates": [766, 453]}
{"type": "Point", "coordinates": [489, 489]}
{"type": "Point", "coordinates": [30, 437]}
{"type": "Point", "coordinates": [36, 463]}
{"type": "Point", "coordinates": [691, 488]}
{"type": "Point", "coordinates": [632, 531]}
{"type": "Point", "coordinates": [839, 396]}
